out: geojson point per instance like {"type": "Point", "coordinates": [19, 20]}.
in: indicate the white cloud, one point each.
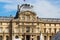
{"type": "Point", "coordinates": [44, 9]}
{"type": "Point", "coordinates": [10, 7]}
{"type": "Point", "coordinates": [6, 1]}
{"type": "Point", "coordinates": [11, 4]}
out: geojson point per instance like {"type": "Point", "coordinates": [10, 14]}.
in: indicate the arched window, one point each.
{"type": "Point", "coordinates": [16, 37]}
{"type": "Point", "coordinates": [50, 37]}
{"type": "Point", "coordinates": [0, 37]}
{"type": "Point", "coordinates": [44, 30]}
{"type": "Point", "coordinates": [45, 37]}
{"type": "Point", "coordinates": [38, 37]}
{"type": "Point", "coordinates": [27, 29]}
{"type": "Point", "coordinates": [7, 37]}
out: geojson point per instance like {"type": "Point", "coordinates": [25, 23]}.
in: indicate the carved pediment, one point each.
{"type": "Point", "coordinates": [27, 15]}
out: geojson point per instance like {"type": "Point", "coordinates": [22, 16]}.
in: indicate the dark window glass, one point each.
{"type": "Point", "coordinates": [32, 38]}
{"type": "Point", "coordinates": [38, 37]}
{"type": "Point", "coordinates": [38, 29]}
{"type": "Point", "coordinates": [0, 37]}
{"type": "Point", "coordinates": [27, 17]}
{"type": "Point", "coordinates": [27, 37]}
{"type": "Point", "coordinates": [44, 37]}
{"type": "Point", "coordinates": [55, 30]}
{"type": "Point", "coordinates": [32, 30]}
{"type": "Point", "coordinates": [27, 29]}
{"type": "Point", "coordinates": [23, 18]}
{"type": "Point", "coordinates": [50, 30]}
{"type": "Point", "coordinates": [59, 29]}
{"type": "Point", "coordinates": [16, 37]}
{"type": "Point", "coordinates": [7, 37]}
{"type": "Point", "coordinates": [44, 30]}
{"type": "Point", "coordinates": [23, 37]}
{"type": "Point", "coordinates": [50, 37]}
{"type": "Point", "coordinates": [22, 29]}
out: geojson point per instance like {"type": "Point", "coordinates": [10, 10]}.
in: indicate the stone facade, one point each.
{"type": "Point", "coordinates": [27, 26]}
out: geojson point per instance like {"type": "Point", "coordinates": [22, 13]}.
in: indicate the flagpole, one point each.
{"type": "Point", "coordinates": [24, 1]}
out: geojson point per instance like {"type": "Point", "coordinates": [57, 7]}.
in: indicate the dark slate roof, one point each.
{"type": "Point", "coordinates": [5, 18]}
{"type": "Point", "coordinates": [57, 20]}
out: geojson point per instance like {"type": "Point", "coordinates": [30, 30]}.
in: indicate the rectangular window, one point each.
{"type": "Point", "coordinates": [6, 30]}
{"type": "Point", "coordinates": [16, 30]}
{"type": "Point", "coordinates": [49, 30]}
{"type": "Point", "coordinates": [23, 30]}
{"type": "Point", "coordinates": [38, 37]}
{"type": "Point", "coordinates": [47, 24]}
{"type": "Point", "coordinates": [55, 30]}
{"type": "Point", "coordinates": [0, 29]}
{"type": "Point", "coordinates": [7, 37]}
{"type": "Point", "coordinates": [32, 30]}
{"type": "Point", "coordinates": [44, 37]}
{"type": "Point", "coordinates": [44, 30]}
{"type": "Point", "coordinates": [0, 37]}
{"type": "Point", "coordinates": [50, 37]}
{"type": "Point", "coordinates": [53, 25]}
{"type": "Point", "coordinates": [57, 24]}
{"type": "Point", "coordinates": [32, 38]}
{"type": "Point", "coordinates": [27, 17]}
{"type": "Point", "coordinates": [59, 29]}
{"type": "Point", "coordinates": [38, 29]}
{"type": "Point", "coordinates": [23, 37]}
{"type": "Point", "coordinates": [27, 29]}
{"type": "Point", "coordinates": [23, 18]}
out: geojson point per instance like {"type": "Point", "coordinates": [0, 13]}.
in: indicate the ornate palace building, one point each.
{"type": "Point", "coordinates": [27, 26]}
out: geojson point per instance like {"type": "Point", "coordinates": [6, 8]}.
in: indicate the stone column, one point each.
{"type": "Point", "coordinates": [43, 37]}
{"type": "Point", "coordinates": [12, 37]}
{"type": "Point", "coordinates": [48, 37]}
{"type": "Point", "coordinates": [20, 29]}
{"type": "Point", "coordinates": [35, 37]}
{"type": "Point", "coordinates": [25, 37]}
{"type": "Point", "coordinates": [4, 38]}
{"type": "Point", "coordinates": [20, 37]}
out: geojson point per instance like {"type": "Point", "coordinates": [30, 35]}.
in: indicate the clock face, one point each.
{"type": "Point", "coordinates": [56, 36]}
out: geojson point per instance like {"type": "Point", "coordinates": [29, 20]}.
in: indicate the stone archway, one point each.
{"type": "Point", "coordinates": [56, 36]}
{"type": "Point", "coordinates": [16, 37]}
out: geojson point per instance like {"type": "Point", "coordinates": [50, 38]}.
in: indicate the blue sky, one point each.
{"type": "Point", "coordinates": [43, 8]}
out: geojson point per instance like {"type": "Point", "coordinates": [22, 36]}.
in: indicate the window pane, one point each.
{"type": "Point", "coordinates": [50, 30]}
{"type": "Point", "coordinates": [44, 30]}
{"type": "Point", "coordinates": [0, 37]}
{"type": "Point", "coordinates": [7, 37]}
{"type": "Point", "coordinates": [22, 29]}
{"type": "Point", "coordinates": [27, 29]}
{"type": "Point", "coordinates": [6, 30]}
{"type": "Point", "coordinates": [27, 17]}
{"type": "Point", "coordinates": [55, 30]}
{"type": "Point", "coordinates": [16, 37]}
{"type": "Point", "coordinates": [38, 37]}
{"type": "Point", "coordinates": [16, 30]}
{"type": "Point", "coordinates": [50, 37]}
{"type": "Point", "coordinates": [0, 30]}
{"type": "Point", "coordinates": [44, 37]}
